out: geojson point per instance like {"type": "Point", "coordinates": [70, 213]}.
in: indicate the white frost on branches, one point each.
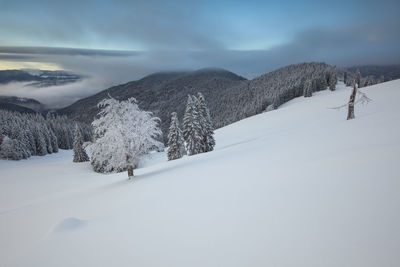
{"type": "Point", "coordinates": [361, 98]}
{"type": "Point", "coordinates": [123, 133]}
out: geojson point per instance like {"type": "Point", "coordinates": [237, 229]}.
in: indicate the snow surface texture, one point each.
{"type": "Point", "coordinates": [298, 186]}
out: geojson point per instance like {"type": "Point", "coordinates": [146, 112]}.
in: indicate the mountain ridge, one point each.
{"type": "Point", "coordinates": [229, 96]}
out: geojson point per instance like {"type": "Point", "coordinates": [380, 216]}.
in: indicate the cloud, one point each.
{"type": "Point", "coordinates": [54, 96]}
{"type": "Point", "coordinates": [364, 43]}
{"type": "Point", "coordinates": [63, 51]}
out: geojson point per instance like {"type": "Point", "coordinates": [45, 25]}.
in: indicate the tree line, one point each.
{"type": "Point", "coordinates": [24, 135]}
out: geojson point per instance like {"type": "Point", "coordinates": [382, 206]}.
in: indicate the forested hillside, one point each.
{"type": "Point", "coordinates": [229, 96]}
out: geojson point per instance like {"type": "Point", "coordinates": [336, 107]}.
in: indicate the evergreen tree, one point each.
{"type": "Point", "coordinates": [276, 102]}
{"type": "Point", "coordinates": [176, 144]}
{"type": "Point", "coordinates": [308, 89]}
{"type": "Point", "coordinates": [32, 134]}
{"type": "Point", "coordinates": [191, 128]}
{"type": "Point", "coordinates": [332, 81]}
{"type": "Point", "coordinates": [40, 142]}
{"type": "Point", "coordinates": [321, 84]}
{"type": "Point", "coordinates": [206, 128]}
{"type": "Point", "coordinates": [53, 140]}
{"type": "Point", "coordinates": [79, 153]}
{"type": "Point", "coordinates": [345, 78]}
{"type": "Point", "coordinates": [12, 149]}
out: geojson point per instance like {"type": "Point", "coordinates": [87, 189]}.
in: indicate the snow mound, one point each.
{"type": "Point", "coordinates": [68, 225]}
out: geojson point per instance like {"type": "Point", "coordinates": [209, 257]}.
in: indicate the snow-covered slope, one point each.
{"type": "Point", "coordinates": [299, 186]}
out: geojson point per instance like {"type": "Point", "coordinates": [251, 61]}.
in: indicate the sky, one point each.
{"type": "Point", "coordinates": [112, 42]}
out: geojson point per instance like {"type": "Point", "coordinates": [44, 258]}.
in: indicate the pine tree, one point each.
{"type": "Point", "coordinates": [176, 143]}
{"type": "Point", "coordinates": [79, 153]}
{"type": "Point", "coordinates": [345, 78]}
{"type": "Point", "coordinates": [308, 89]}
{"type": "Point", "coordinates": [332, 81]}
{"type": "Point", "coordinates": [32, 134]}
{"type": "Point", "coordinates": [54, 142]}
{"type": "Point", "coordinates": [276, 102]}
{"type": "Point", "coordinates": [40, 141]}
{"type": "Point", "coordinates": [12, 149]}
{"type": "Point", "coordinates": [206, 128]}
{"type": "Point", "coordinates": [191, 128]}
{"type": "Point", "coordinates": [321, 84]}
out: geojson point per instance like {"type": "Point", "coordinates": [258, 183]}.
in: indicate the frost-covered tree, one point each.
{"type": "Point", "coordinates": [79, 152]}
{"type": "Point", "coordinates": [351, 104]}
{"type": "Point", "coordinates": [356, 97]}
{"type": "Point", "coordinates": [176, 144]}
{"type": "Point", "coordinates": [332, 81]}
{"type": "Point", "coordinates": [205, 124]}
{"type": "Point", "coordinates": [191, 127]}
{"type": "Point", "coordinates": [32, 134]}
{"type": "Point", "coordinates": [40, 141]}
{"type": "Point", "coordinates": [12, 149]}
{"type": "Point", "coordinates": [123, 133]}
{"type": "Point", "coordinates": [308, 89]}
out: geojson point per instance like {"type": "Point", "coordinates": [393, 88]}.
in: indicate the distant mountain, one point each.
{"type": "Point", "coordinates": [16, 108]}
{"type": "Point", "coordinates": [21, 104]}
{"type": "Point", "coordinates": [230, 97]}
{"type": "Point", "coordinates": [38, 78]}
{"type": "Point", "coordinates": [390, 72]}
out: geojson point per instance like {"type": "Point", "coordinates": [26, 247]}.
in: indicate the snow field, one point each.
{"type": "Point", "coordinates": [298, 186]}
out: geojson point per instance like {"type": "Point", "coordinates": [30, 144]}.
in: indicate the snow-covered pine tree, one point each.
{"type": "Point", "coordinates": [123, 133]}
{"type": "Point", "coordinates": [276, 102]}
{"type": "Point", "coordinates": [308, 88]}
{"type": "Point", "coordinates": [40, 142]}
{"type": "Point", "coordinates": [332, 81]}
{"type": "Point", "coordinates": [176, 144]}
{"type": "Point", "coordinates": [54, 142]}
{"type": "Point", "coordinates": [191, 128]}
{"type": "Point", "coordinates": [79, 153]}
{"type": "Point", "coordinates": [32, 134]}
{"type": "Point", "coordinates": [12, 149]}
{"type": "Point", "coordinates": [206, 128]}
{"type": "Point", "coordinates": [345, 77]}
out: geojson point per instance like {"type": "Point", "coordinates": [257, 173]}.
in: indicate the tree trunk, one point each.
{"type": "Point", "coordinates": [129, 167]}
{"type": "Point", "coordinates": [350, 114]}
{"type": "Point", "coordinates": [130, 172]}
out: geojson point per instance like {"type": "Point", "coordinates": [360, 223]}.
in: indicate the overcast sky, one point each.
{"type": "Point", "coordinates": [118, 41]}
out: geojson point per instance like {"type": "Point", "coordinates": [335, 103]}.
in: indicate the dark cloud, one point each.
{"type": "Point", "coordinates": [64, 51]}
{"type": "Point", "coordinates": [14, 57]}
{"type": "Point", "coordinates": [366, 43]}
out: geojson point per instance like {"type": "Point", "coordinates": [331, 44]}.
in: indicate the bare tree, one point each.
{"type": "Point", "coordinates": [350, 113]}
{"type": "Point", "coordinates": [356, 97]}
